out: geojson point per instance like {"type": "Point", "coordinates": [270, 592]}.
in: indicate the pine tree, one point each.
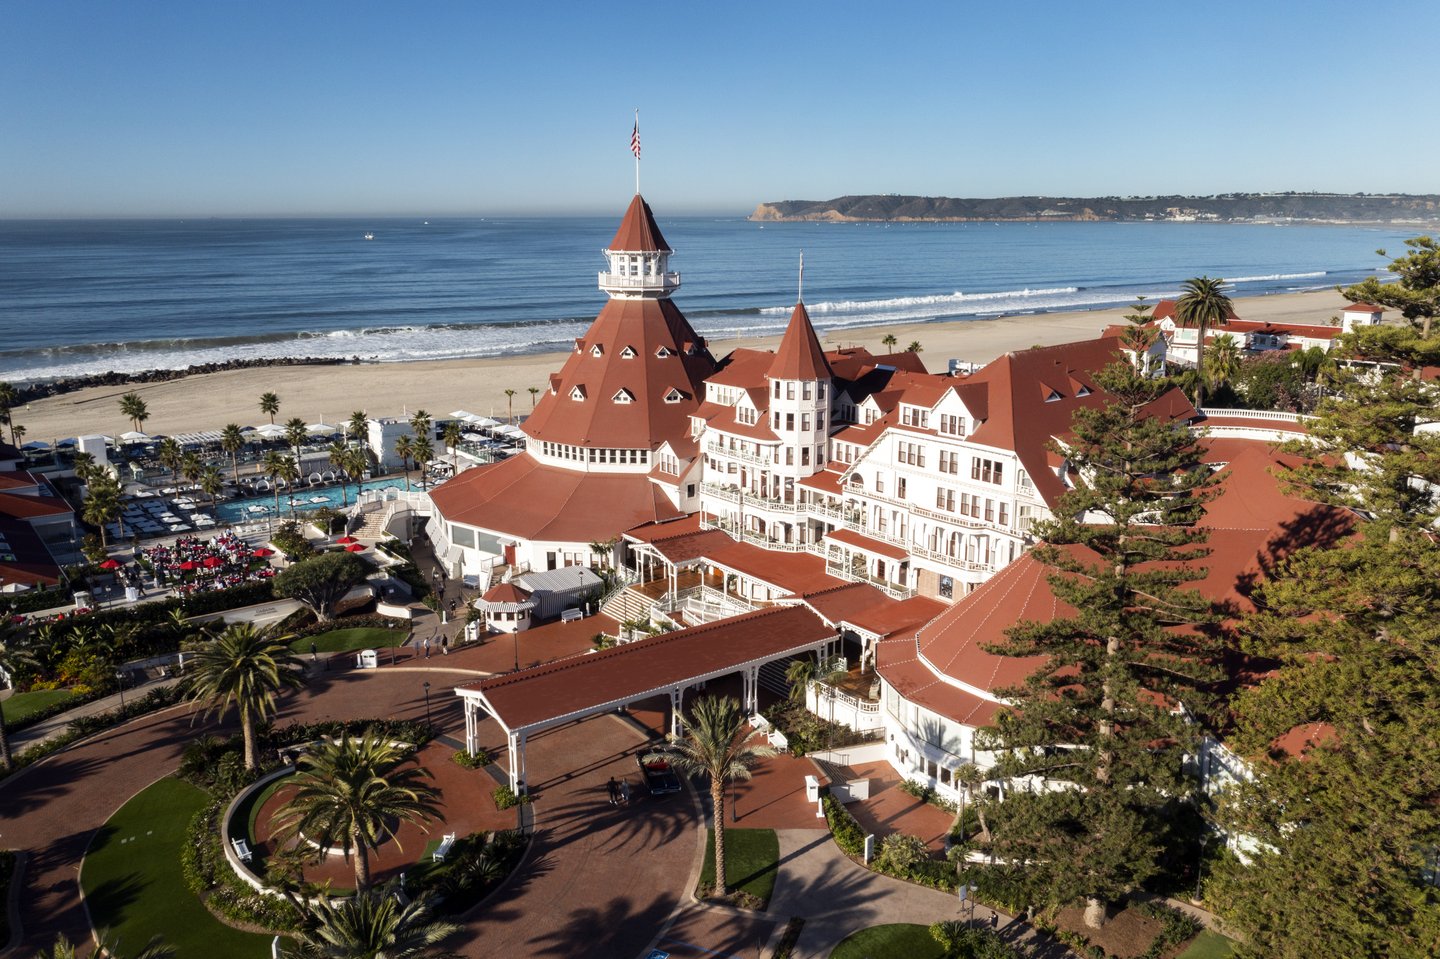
{"type": "Point", "coordinates": [1342, 808]}
{"type": "Point", "coordinates": [1091, 753]}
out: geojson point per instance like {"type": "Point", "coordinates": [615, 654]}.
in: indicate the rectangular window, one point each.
{"type": "Point", "coordinates": [804, 456]}
{"type": "Point", "coordinates": [989, 510]}
{"type": "Point", "coordinates": [790, 422]}
{"type": "Point", "coordinates": [945, 499]}
{"type": "Point", "coordinates": [1004, 513]}
{"type": "Point", "coordinates": [805, 390]}
{"type": "Point", "coordinates": [789, 456]}
{"type": "Point", "coordinates": [790, 390]}
{"type": "Point", "coordinates": [987, 471]}
{"type": "Point", "coordinates": [900, 488]}
{"type": "Point", "coordinates": [804, 422]}
{"type": "Point", "coordinates": [777, 389]}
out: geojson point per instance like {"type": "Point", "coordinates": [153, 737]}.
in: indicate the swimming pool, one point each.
{"type": "Point", "coordinates": [238, 510]}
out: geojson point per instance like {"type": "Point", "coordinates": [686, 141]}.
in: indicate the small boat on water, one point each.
{"type": "Point", "coordinates": [369, 236]}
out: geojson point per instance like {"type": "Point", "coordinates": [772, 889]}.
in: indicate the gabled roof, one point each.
{"type": "Point", "coordinates": [1362, 308]}
{"type": "Point", "coordinates": [597, 420]}
{"type": "Point", "coordinates": [638, 232]}
{"type": "Point", "coordinates": [799, 356]}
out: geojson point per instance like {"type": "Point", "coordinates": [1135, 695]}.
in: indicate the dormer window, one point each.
{"type": "Point", "coordinates": [1053, 396]}
{"type": "Point", "coordinates": [1084, 391]}
{"type": "Point", "coordinates": [663, 352]}
{"type": "Point", "coordinates": [597, 350]}
{"type": "Point", "coordinates": [674, 396]}
{"type": "Point", "coordinates": [628, 353]}
{"type": "Point", "coordinates": [624, 396]}
{"type": "Point", "coordinates": [579, 345]}
{"type": "Point", "coordinates": [577, 392]}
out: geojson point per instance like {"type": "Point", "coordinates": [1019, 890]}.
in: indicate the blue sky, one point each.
{"type": "Point", "coordinates": [293, 108]}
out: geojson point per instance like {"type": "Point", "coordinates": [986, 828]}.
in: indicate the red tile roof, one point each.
{"type": "Point", "coordinates": [1362, 308]}
{"type": "Point", "coordinates": [521, 498]}
{"type": "Point", "coordinates": [638, 231]}
{"type": "Point", "coordinates": [648, 666]}
{"type": "Point", "coordinates": [1252, 524]}
{"type": "Point", "coordinates": [799, 356]}
{"type": "Point", "coordinates": [646, 326]}
{"type": "Point", "coordinates": [17, 479]}
{"type": "Point", "coordinates": [508, 594]}
{"type": "Point", "coordinates": [23, 557]}
{"type": "Point", "coordinates": [25, 506]}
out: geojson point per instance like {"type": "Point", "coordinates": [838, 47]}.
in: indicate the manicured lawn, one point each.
{"type": "Point", "coordinates": [344, 640]}
{"type": "Point", "coordinates": [751, 857]}
{"type": "Point", "coordinates": [1208, 945]}
{"type": "Point", "coordinates": [133, 885]}
{"type": "Point", "coordinates": [22, 706]}
{"type": "Point", "coordinates": [899, 940]}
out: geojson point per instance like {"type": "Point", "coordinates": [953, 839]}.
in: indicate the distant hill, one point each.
{"type": "Point", "coordinates": [1228, 208]}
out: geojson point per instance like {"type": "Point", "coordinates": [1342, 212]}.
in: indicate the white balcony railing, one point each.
{"type": "Point", "coordinates": [619, 281]}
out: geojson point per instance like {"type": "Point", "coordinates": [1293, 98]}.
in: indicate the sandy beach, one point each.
{"type": "Point", "coordinates": [331, 393]}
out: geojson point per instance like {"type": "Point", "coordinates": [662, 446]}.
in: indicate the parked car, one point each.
{"type": "Point", "coordinates": [657, 767]}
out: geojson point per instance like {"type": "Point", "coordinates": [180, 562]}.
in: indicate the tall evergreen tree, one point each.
{"type": "Point", "coordinates": [1341, 737]}
{"type": "Point", "coordinates": [1417, 294]}
{"type": "Point", "coordinates": [1092, 751]}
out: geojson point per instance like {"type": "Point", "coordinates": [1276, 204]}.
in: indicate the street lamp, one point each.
{"type": "Point", "coordinates": [1200, 864]}
{"type": "Point", "coordinates": [427, 703]}
{"type": "Point", "coordinates": [120, 680]}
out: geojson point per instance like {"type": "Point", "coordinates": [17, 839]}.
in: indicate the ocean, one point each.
{"type": "Point", "coordinates": [79, 297]}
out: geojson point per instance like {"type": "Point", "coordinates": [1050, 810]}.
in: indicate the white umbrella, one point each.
{"type": "Point", "coordinates": [271, 431]}
{"type": "Point", "coordinates": [135, 436]}
{"type": "Point", "coordinates": [324, 428]}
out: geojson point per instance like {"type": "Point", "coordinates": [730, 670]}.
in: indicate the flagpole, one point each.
{"type": "Point", "coordinates": [637, 153]}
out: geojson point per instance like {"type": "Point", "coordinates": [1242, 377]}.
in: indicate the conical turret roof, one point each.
{"type": "Point", "coordinates": [799, 356]}
{"type": "Point", "coordinates": [638, 231]}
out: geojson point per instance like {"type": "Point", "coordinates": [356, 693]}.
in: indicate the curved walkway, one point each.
{"type": "Point", "coordinates": [599, 879]}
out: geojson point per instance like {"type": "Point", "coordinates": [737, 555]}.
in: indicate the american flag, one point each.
{"type": "Point", "coordinates": [635, 140]}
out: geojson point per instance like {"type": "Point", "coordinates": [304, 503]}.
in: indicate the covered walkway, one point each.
{"type": "Point", "coordinates": [533, 700]}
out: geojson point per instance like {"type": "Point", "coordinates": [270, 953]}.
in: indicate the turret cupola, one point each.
{"type": "Point", "coordinates": [800, 381]}
{"type": "Point", "coordinates": [639, 257]}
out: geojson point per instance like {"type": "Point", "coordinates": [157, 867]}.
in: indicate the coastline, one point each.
{"type": "Point", "coordinates": [330, 392]}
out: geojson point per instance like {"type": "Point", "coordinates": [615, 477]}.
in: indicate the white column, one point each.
{"type": "Point", "coordinates": [469, 724]}
{"type": "Point", "coordinates": [516, 744]}
{"type": "Point", "coordinates": [677, 703]}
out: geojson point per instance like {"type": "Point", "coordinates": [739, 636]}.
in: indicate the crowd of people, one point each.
{"type": "Point", "coordinates": [191, 564]}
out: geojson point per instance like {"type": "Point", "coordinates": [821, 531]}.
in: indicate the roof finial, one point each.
{"type": "Point", "coordinates": [635, 149]}
{"type": "Point", "coordinates": [800, 291]}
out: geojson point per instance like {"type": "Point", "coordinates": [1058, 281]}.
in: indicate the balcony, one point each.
{"type": "Point", "coordinates": [754, 458]}
{"type": "Point", "coordinates": [656, 283]}
{"type": "Point", "coordinates": [732, 494]}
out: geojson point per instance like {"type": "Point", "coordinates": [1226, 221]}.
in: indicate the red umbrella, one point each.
{"type": "Point", "coordinates": [263, 552]}
{"type": "Point", "coordinates": [347, 539]}
{"type": "Point", "coordinates": [356, 547]}
{"type": "Point", "coordinates": [187, 566]}
{"type": "Point", "coordinates": [210, 562]}
{"type": "Point", "coordinates": [110, 564]}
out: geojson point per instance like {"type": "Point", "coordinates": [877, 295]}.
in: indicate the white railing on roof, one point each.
{"type": "Point", "coordinates": [722, 450]}
{"type": "Point", "coordinates": [1259, 415]}
{"type": "Point", "coordinates": [624, 281]}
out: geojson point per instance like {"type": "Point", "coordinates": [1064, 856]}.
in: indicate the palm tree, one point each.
{"type": "Point", "coordinates": [211, 482]}
{"type": "Point", "coordinates": [1202, 305]}
{"type": "Point", "coordinates": [405, 448]}
{"type": "Point", "coordinates": [14, 656]}
{"type": "Point", "coordinates": [279, 467]}
{"type": "Point", "coordinates": [420, 423]}
{"type": "Point", "coordinates": [423, 452]}
{"type": "Point", "coordinates": [62, 948]}
{"type": "Point", "coordinates": [84, 465]}
{"type": "Point", "coordinates": [451, 437]}
{"type": "Point", "coordinates": [534, 392]}
{"type": "Point", "coordinates": [1224, 361]}
{"type": "Point", "coordinates": [170, 455]}
{"type": "Point", "coordinates": [890, 340]}
{"type": "Point", "coordinates": [799, 674]}
{"type": "Point", "coordinates": [339, 458]}
{"type": "Point", "coordinates": [914, 347]}
{"type": "Point", "coordinates": [270, 404]}
{"type": "Point", "coordinates": [510, 403]}
{"type": "Point", "coordinates": [232, 441]}
{"type": "Point", "coordinates": [244, 668]}
{"type": "Point", "coordinates": [356, 463]}
{"type": "Point", "coordinates": [9, 396]}
{"type": "Point", "coordinates": [102, 503]}
{"type": "Point", "coordinates": [132, 407]}
{"type": "Point", "coordinates": [716, 745]}
{"type": "Point", "coordinates": [972, 777]}
{"type": "Point", "coordinates": [350, 795]}
{"type": "Point", "coordinates": [191, 467]}
{"type": "Point", "coordinates": [290, 473]}
{"type": "Point", "coordinates": [296, 434]}
{"type": "Point", "coordinates": [373, 925]}
{"type": "Point", "coordinates": [358, 426]}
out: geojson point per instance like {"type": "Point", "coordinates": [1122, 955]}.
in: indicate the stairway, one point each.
{"type": "Point", "coordinates": [373, 526]}
{"type": "Point", "coordinates": [628, 604]}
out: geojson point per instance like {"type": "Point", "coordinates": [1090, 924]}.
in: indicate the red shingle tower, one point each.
{"type": "Point", "coordinates": [638, 372]}
{"type": "Point", "coordinates": [800, 380]}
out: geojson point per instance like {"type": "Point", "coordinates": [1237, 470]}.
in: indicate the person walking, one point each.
{"type": "Point", "coordinates": [427, 647]}
{"type": "Point", "coordinates": [445, 645]}
{"type": "Point", "coordinates": [614, 790]}
{"type": "Point", "coordinates": [625, 791]}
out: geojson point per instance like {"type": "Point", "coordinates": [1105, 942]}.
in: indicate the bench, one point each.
{"type": "Point", "coordinates": [571, 615]}
{"type": "Point", "coordinates": [447, 842]}
{"type": "Point", "coordinates": [242, 849]}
